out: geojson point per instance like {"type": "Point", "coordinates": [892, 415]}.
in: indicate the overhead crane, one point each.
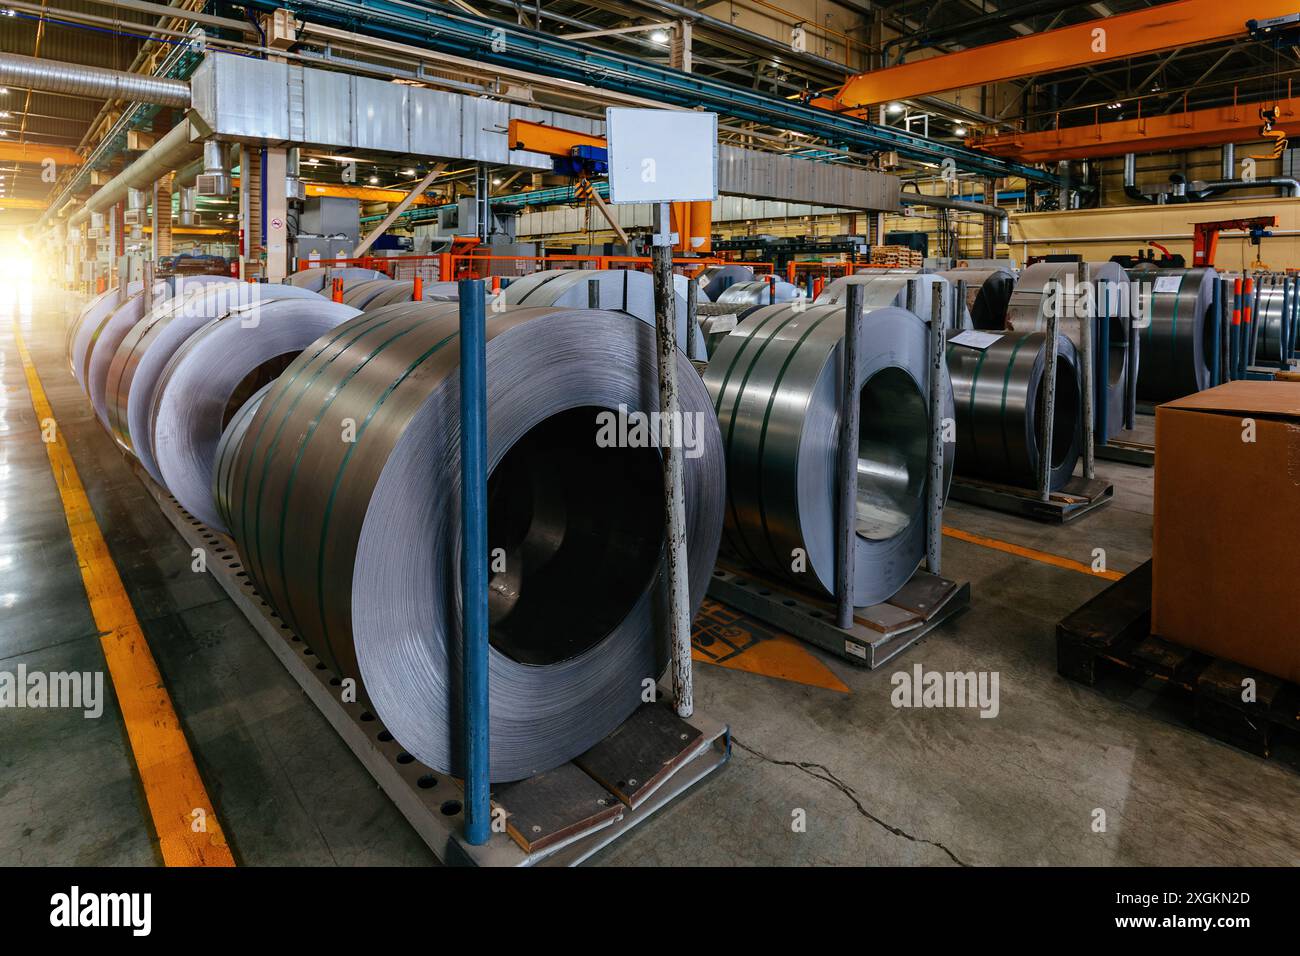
{"type": "Point", "coordinates": [1166, 26]}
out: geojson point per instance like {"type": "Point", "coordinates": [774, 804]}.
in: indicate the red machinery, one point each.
{"type": "Point", "coordinates": [1205, 236]}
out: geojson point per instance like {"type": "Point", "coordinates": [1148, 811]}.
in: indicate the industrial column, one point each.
{"type": "Point", "coordinates": [275, 213]}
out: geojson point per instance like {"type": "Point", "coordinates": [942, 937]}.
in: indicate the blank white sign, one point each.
{"type": "Point", "coordinates": [661, 155]}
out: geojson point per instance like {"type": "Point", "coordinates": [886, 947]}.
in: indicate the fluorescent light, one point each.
{"type": "Point", "coordinates": [659, 36]}
{"type": "Point", "coordinates": [408, 172]}
{"type": "Point", "coordinates": [894, 108]}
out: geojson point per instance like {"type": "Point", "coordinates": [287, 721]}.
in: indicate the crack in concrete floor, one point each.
{"type": "Point", "coordinates": [829, 777]}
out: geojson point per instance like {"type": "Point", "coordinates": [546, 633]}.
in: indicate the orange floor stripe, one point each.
{"type": "Point", "coordinates": [781, 657]}
{"type": "Point", "coordinates": [1034, 555]}
{"type": "Point", "coordinates": [172, 785]}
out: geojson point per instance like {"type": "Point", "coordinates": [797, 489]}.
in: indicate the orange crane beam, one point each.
{"type": "Point", "coordinates": [37, 153]}
{"type": "Point", "coordinates": [1143, 134]}
{"type": "Point", "coordinates": [1167, 26]}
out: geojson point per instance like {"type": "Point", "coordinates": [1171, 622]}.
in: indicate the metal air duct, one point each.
{"type": "Point", "coordinates": [215, 180]}
{"type": "Point", "coordinates": [173, 150]}
{"type": "Point", "coordinates": [71, 79]}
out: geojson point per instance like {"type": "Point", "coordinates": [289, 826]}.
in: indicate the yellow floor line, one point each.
{"type": "Point", "coordinates": [183, 817]}
{"type": "Point", "coordinates": [1034, 555]}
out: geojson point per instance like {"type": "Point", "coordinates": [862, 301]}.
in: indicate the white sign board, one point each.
{"type": "Point", "coordinates": [975, 340]}
{"type": "Point", "coordinates": [1168, 283]}
{"type": "Point", "coordinates": [661, 155]}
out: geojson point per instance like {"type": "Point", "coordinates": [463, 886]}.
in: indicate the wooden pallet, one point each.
{"type": "Point", "coordinates": [1108, 642]}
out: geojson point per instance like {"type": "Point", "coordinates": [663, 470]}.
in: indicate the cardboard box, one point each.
{"type": "Point", "coordinates": [1226, 544]}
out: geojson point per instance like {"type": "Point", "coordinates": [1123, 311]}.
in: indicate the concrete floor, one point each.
{"type": "Point", "coordinates": [876, 784]}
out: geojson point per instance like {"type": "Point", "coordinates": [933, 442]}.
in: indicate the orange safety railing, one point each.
{"type": "Point", "coordinates": [478, 265]}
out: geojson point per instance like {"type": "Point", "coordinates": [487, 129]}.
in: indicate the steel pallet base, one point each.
{"type": "Point", "coordinates": [1078, 497]}
{"type": "Point", "coordinates": [558, 818]}
{"type": "Point", "coordinates": [1128, 452]}
{"type": "Point", "coordinates": [879, 633]}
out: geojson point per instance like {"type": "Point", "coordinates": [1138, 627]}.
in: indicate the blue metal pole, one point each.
{"type": "Point", "coordinates": [1102, 362]}
{"type": "Point", "coordinates": [474, 557]}
{"type": "Point", "coordinates": [1216, 310]}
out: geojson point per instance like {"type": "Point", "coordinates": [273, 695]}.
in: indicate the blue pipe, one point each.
{"type": "Point", "coordinates": [504, 44]}
{"type": "Point", "coordinates": [474, 558]}
{"type": "Point", "coordinates": [1101, 366]}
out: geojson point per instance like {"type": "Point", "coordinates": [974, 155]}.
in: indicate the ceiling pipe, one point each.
{"type": "Point", "coordinates": [175, 149]}
{"type": "Point", "coordinates": [962, 205]}
{"type": "Point", "coordinates": [1130, 180]}
{"type": "Point", "coordinates": [51, 76]}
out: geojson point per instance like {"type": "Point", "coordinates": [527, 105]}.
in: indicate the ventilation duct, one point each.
{"type": "Point", "coordinates": [189, 209]}
{"type": "Point", "coordinates": [172, 151]}
{"type": "Point", "coordinates": [71, 79]}
{"type": "Point", "coordinates": [215, 178]}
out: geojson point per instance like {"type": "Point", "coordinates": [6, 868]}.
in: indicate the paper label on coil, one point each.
{"type": "Point", "coordinates": [722, 323]}
{"type": "Point", "coordinates": [857, 650]}
{"type": "Point", "coordinates": [1168, 283]}
{"type": "Point", "coordinates": [975, 340]}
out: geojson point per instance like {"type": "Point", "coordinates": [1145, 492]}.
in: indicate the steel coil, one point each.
{"type": "Point", "coordinates": [999, 396]}
{"type": "Point", "coordinates": [316, 280]}
{"type": "Point", "coordinates": [211, 375]}
{"type": "Point", "coordinates": [880, 289]}
{"type": "Point", "coordinates": [759, 292]}
{"type": "Point", "coordinates": [621, 290]}
{"type": "Point", "coordinates": [988, 292]}
{"type": "Point", "coordinates": [359, 294]}
{"type": "Point", "coordinates": [403, 290]}
{"type": "Point", "coordinates": [715, 280]}
{"type": "Point", "coordinates": [228, 448]}
{"type": "Point", "coordinates": [104, 343]}
{"type": "Point", "coordinates": [1052, 285]}
{"type": "Point", "coordinates": [775, 385]}
{"type": "Point", "coordinates": [145, 351]}
{"type": "Point", "coordinates": [88, 323]}
{"type": "Point", "coordinates": [1269, 318]}
{"type": "Point", "coordinates": [1177, 344]}
{"type": "Point", "coordinates": [356, 544]}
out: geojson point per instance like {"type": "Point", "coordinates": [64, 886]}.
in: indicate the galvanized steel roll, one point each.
{"type": "Point", "coordinates": [1268, 314]}
{"type": "Point", "coordinates": [315, 280]}
{"type": "Point", "coordinates": [998, 391]}
{"type": "Point", "coordinates": [1045, 286]}
{"type": "Point", "coordinates": [622, 290]}
{"type": "Point", "coordinates": [402, 291]}
{"type": "Point", "coordinates": [1176, 345]}
{"type": "Point", "coordinates": [988, 292]}
{"type": "Point", "coordinates": [356, 543]}
{"type": "Point", "coordinates": [880, 289]}
{"type": "Point", "coordinates": [145, 351]}
{"type": "Point", "coordinates": [359, 294]}
{"type": "Point", "coordinates": [759, 292]}
{"type": "Point", "coordinates": [88, 323]}
{"type": "Point", "coordinates": [231, 437]}
{"type": "Point", "coordinates": [211, 375]}
{"type": "Point", "coordinates": [104, 343]}
{"type": "Point", "coordinates": [775, 385]}
{"type": "Point", "coordinates": [715, 280]}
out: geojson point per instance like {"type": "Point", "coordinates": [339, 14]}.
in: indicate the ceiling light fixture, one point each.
{"type": "Point", "coordinates": [894, 109]}
{"type": "Point", "coordinates": [959, 131]}
{"type": "Point", "coordinates": [659, 36]}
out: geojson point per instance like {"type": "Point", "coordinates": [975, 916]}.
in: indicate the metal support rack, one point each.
{"type": "Point", "coordinates": [559, 818]}
{"type": "Point", "coordinates": [866, 636]}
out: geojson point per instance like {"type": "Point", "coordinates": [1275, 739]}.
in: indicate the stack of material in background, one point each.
{"type": "Point", "coordinates": [904, 257]}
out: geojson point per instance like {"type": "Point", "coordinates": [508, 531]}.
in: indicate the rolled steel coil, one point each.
{"type": "Point", "coordinates": [211, 375]}
{"type": "Point", "coordinates": [1177, 342]}
{"type": "Point", "coordinates": [988, 292]}
{"type": "Point", "coordinates": [356, 544]}
{"type": "Point", "coordinates": [1269, 317]}
{"type": "Point", "coordinates": [682, 283]}
{"type": "Point", "coordinates": [104, 343]}
{"type": "Point", "coordinates": [759, 292]}
{"type": "Point", "coordinates": [621, 290]}
{"type": "Point", "coordinates": [880, 289]}
{"type": "Point", "coordinates": [715, 280]}
{"type": "Point", "coordinates": [316, 280]}
{"type": "Point", "coordinates": [1045, 286]}
{"type": "Point", "coordinates": [148, 347]}
{"type": "Point", "coordinates": [775, 384]}
{"type": "Point", "coordinates": [403, 290]}
{"type": "Point", "coordinates": [998, 391]}
{"type": "Point", "coordinates": [88, 323]}
{"type": "Point", "coordinates": [228, 448]}
{"type": "Point", "coordinates": [359, 294]}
